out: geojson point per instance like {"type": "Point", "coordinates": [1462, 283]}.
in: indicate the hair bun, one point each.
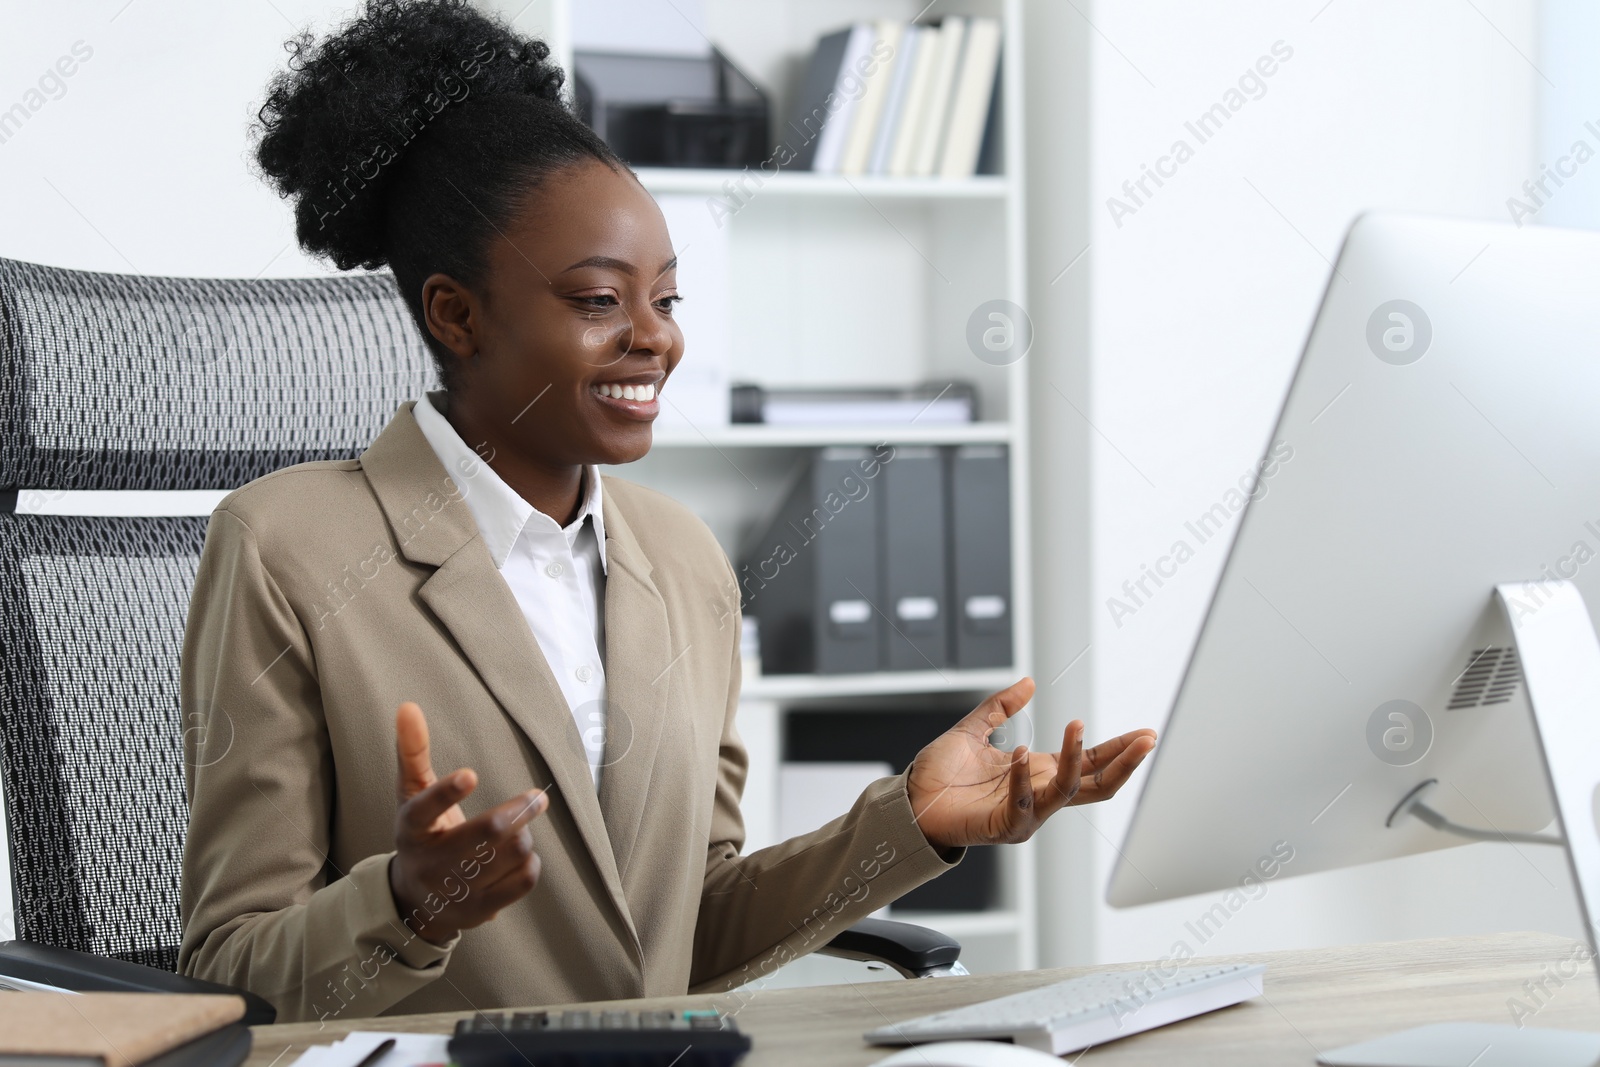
{"type": "Point", "coordinates": [348, 108]}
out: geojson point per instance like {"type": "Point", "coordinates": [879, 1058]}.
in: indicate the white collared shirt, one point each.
{"type": "Point", "coordinates": [557, 574]}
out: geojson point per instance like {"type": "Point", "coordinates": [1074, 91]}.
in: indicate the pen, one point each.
{"type": "Point", "coordinates": [376, 1054]}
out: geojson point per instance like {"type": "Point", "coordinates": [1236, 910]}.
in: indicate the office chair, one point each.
{"type": "Point", "coordinates": [120, 398]}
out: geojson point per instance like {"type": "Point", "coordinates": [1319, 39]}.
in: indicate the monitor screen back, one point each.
{"type": "Point", "coordinates": [1441, 436]}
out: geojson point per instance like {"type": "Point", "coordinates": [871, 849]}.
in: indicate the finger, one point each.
{"type": "Point", "coordinates": [982, 720]}
{"type": "Point", "coordinates": [1063, 789]}
{"type": "Point", "coordinates": [501, 856]}
{"type": "Point", "coordinates": [1021, 782]}
{"type": "Point", "coordinates": [512, 885]}
{"type": "Point", "coordinates": [1107, 780]}
{"type": "Point", "coordinates": [502, 822]}
{"type": "Point", "coordinates": [419, 814]}
{"type": "Point", "coordinates": [1106, 751]}
{"type": "Point", "coordinates": [411, 748]}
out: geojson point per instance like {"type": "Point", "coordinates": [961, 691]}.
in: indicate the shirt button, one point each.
{"type": "Point", "coordinates": [584, 673]}
{"type": "Point", "coordinates": [554, 569]}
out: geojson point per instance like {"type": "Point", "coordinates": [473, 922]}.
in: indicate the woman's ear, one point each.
{"type": "Point", "coordinates": [452, 314]}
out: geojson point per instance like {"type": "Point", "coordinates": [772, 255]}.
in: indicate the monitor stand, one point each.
{"type": "Point", "coordinates": [1561, 669]}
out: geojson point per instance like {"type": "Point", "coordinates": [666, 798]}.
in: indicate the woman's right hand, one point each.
{"type": "Point", "coordinates": [451, 873]}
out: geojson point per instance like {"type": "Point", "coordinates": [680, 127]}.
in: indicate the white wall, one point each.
{"type": "Point", "coordinates": [137, 162]}
{"type": "Point", "coordinates": [1181, 327]}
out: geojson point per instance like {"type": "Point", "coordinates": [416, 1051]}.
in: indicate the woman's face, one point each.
{"type": "Point", "coordinates": [575, 307]}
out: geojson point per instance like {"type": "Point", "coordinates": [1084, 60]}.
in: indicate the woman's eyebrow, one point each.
{"type": "Point", "coordinates": [618, 264]}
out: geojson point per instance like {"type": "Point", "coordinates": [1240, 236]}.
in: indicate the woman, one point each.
{"type": "Point", "coordinates": [574, 640]}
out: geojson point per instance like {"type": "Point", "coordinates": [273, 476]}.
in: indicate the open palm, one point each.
{"type": "Point", "coordinates": [964, 791]}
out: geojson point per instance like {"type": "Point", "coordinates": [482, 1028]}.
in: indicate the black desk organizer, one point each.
{"type": "Point", "coordinates": [895, 736]}
{"type": "Point", "coordinates": [673, 111]}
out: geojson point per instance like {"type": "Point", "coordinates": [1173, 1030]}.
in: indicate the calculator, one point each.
{"type": "Point", "coordinates": [598, 1039]}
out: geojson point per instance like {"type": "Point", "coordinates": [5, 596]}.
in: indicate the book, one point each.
{"type": "Point", "coordinates": [811, 115]}
{"type": "Point", "coordinates": [941, 86]}
{"type": "Point", "coordinates": [105, 1029]}
{"type": "Point", "coordinates": [905, 60]}
{"type": "Point", "coordinates": [869, 110]}
{"type": "Point", "coordinates": [991, 154]}
{"type": "Point", "coordinates": [849, 87]}
{"type": "Point", "coordinates": [969, 99]}
{"type": "Point", "coordinates": [909, 124]}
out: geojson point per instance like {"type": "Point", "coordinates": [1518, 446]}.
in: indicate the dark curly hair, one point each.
{"type": "Point", "coordinates": [409, 138]}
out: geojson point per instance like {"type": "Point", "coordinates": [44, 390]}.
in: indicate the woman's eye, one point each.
{"type": "Point", "coordinates": [666, 302]}
{"type": "Point", "coordinates": [603, 301]}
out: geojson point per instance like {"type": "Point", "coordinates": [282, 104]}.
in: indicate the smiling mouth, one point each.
{"type": "Point", "coordinates": [642, 393]}
{"type": "Point", "coordinates": [634, 400]}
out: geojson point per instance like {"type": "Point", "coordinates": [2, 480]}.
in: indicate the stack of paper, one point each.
{"type": "Point", "coordinates": [410, 1050]}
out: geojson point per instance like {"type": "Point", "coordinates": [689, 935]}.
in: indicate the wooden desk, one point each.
{"type": "Point", "coordinates": [1314, 1000]}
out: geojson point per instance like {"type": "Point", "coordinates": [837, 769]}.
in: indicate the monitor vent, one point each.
{"type": "Point", "coordinates": [1491, 677]}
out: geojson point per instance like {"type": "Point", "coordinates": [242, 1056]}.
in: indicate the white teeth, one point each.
{"type": "Point", "coordinates": [640, 393]}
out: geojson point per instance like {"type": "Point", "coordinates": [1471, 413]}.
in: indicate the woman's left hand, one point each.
{"type": "Point", "coordinates": [964, 791]}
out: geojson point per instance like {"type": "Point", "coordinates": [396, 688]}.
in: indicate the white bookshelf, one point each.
{"type": "Point", "coordinates": [813, 687]}
{"type": "Point", "coordinates": [755, 436]}
{"type": "Point", "coordinates": [823, 186]}
{"type": "Point", "coordinates": [854, 280]}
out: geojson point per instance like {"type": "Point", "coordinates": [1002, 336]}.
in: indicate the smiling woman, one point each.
{"type": "Point", "coordinates": [569, 635]}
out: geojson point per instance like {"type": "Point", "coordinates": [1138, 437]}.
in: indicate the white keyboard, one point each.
{"type": "Point", "coordinates": [1080, 1012]}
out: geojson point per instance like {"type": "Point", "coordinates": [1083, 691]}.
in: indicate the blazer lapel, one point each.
{"type": "Point", "coordinates": [434, 527]}
{"type": "Point", "coordinates": [639, 660]}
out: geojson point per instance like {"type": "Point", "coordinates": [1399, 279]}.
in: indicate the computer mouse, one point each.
{"type": "Point", "coordinates": [969, 1054]}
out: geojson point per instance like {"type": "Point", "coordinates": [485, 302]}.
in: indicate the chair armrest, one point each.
{"type": "Point", "coordinates": [80, 972]}
{"type": "Point", "coordinates": [914, 951]}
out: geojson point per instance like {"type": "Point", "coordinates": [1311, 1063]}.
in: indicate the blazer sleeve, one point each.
{"type": "Point", "coordinates": [262, 906]}
{"type": "Point", "coordinates": [760, 911]}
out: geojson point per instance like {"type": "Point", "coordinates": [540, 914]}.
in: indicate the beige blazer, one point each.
{"type": "Point", "coordinates": [330, 592]}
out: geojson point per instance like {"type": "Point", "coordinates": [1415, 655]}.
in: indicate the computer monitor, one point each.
{"type": "Point", "coordinates": [1440, 439]}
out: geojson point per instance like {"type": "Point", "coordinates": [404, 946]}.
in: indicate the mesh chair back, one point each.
{"type": "Point", "coordinates": [111, 381]}
{"type": "Point", "coordinates": [127, 383]}
{"type": "Point", "coordinates": [91, 613]}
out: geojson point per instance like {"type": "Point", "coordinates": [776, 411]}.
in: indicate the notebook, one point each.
{"type": "Point", "coordinates": [105, 1029]}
